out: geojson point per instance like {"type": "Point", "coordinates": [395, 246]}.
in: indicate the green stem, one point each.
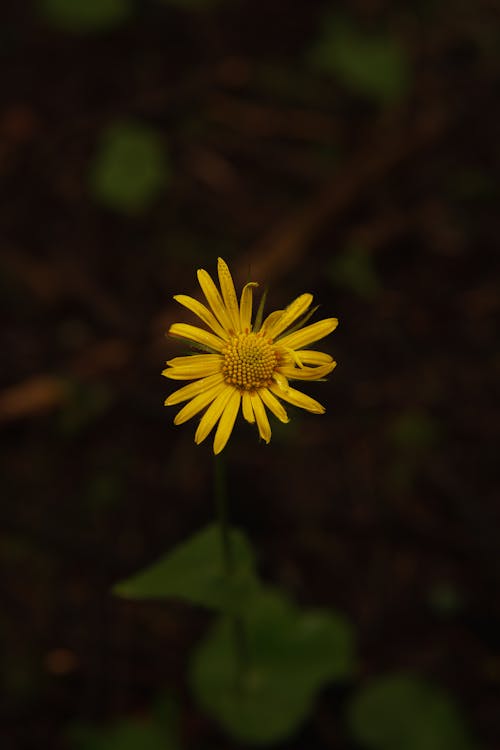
{"type": "Point", "coordinates": [238, 624]}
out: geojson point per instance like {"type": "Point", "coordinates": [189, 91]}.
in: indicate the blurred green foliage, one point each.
{"type": "Point", "coordinates": [194, 571]}
{"type": "Point", "coordinates": [291, 653]}
{"type": "Point", "coordinates": [130, 167]}
{"type": "Point", "coordinates": [353, 269]}
{"type": "Point", "coordinates": [371, 64]}
{"type": "Point", "coordinates": [289, 656]}
{"type": "Point", "coordinates": [399, 712]}
{"type": "Point", "coordinates": [85, 15]}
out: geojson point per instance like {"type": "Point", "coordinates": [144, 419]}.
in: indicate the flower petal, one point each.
{"type": "Point", "coordinates": [203, 313]}
{"type": "Point", "coordinates": [228, 293]}
{"type": "Point", "coordinates": [202, 366]}
{"type": "Point", "coordinates": [307, 373]}
{"type": "Point", "coordinates": [297, 308]}
{"type": "Point", "coordinates": [312, 357]}
{"type": "Point", "coordinates": [261, 416]}
{"type": "Point", "coordinates": [213, 413]}
{"type": "Point", "coordinates": [273, 405]}
{"type": "Point", "coordinates": [193, 359]}
{"type": "Point", "coordinates": [288, 356]}
{"type": "Point", "coordinates": [246, 306]}
{"type": "Point", "coordinates": [193, 389]}
{"type": "Point", "coordinates": [226, 422]}
{"type": "Point", "coordinates": [298, 399]}
{"type": "Point", "coordinates": [246, 406]}
{"type": "Point", "coordinates": [271, 319]}
{"type": "Point", "coordinates": [198, 403]}
{"type": "Point", "coordinates": [311, 333]}
{"type": "Point", "coordinates": [214, 299]}
{"type": "Point", "coordinates": [198, 335]}
{"type": "Point", "coordinates": [280, 380]}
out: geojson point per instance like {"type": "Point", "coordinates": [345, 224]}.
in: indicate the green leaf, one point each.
{"type": "Point", "coordinates": [85, 15]}
{"type": "Point", "coordinates": [374, 65]}
{"type": "Point", "coordinates": [130, 167]}
{"type": "Point", "coordinates": [354, 270]}
{"type": "Point", "coordinates": [399, 711]}
{"type": "Point", "coordinates": [195, 572]}
{"type": "Point", "coordinates": [289, 656]}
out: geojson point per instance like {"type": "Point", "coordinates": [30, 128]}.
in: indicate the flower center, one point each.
{"type": "Point", "coordinates": [249, 361]}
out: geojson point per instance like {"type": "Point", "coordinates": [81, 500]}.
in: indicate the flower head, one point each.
{"type": "Point", "coordinates": [243, 363]}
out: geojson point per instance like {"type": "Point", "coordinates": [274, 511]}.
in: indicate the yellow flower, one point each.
{"type": "Point", "coordinates": [245, 364]}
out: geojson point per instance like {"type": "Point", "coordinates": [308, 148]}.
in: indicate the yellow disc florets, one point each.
{"type": "Point", "coordinates": [249, 361]}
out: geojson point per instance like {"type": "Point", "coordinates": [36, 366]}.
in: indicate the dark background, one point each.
{"type": "Point", "coordinates": [379, 194]}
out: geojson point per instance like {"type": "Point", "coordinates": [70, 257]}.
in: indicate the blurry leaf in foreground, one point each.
{"type": "Point", "coordinates": [398, 711]}
{"type": "Point", "coordinates": [353, 269]}
{"type": "Point", "coordinates": [290, 655]}
{"type": "Point", "coordinates": [130, 167]}
{"type": "Point", "coordinates": [85, 15]}
{"type": "Point", "coordinates": [194, 571]}
{"type": "Point", "coordinates": [373, 65]}
{"type": "Point", "coordinates": [127, 734]}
